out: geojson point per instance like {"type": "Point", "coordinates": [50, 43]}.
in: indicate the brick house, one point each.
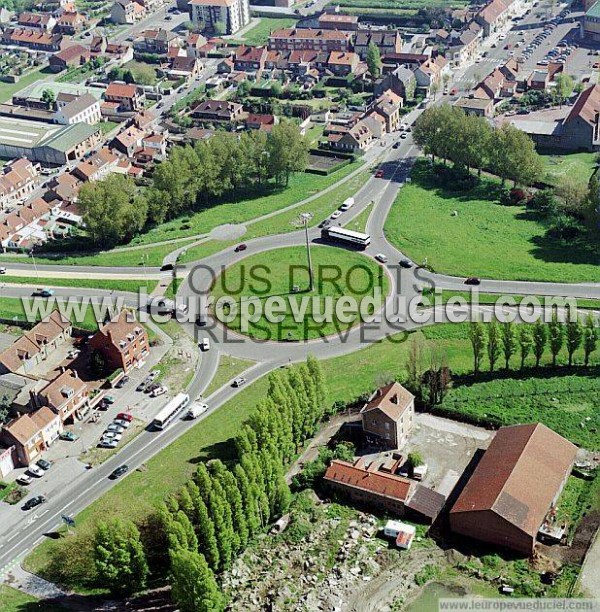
{"type": "Point", "coordinates": [156, 41]}
{"type": "Point", "coordinates": [250, 59]}
{"type": "Point", "coordinates": [123, 342]}
{"type": "Point", "coordinates": [388, 105]}
{"type": "Point", "coordinates": [389, 415]}
{"type": "Point", "coordinates": [128, 97]}
{"type": "Point", "coordinates": [355, 140]}
{"type": "Point", "coordinates": [17, 181]}
{"type": "Point", "coordinates": [388, 42]}
{"type": "Point", "coordinates": [342, 63]}
{"type": "Point", "coordinates": [69, 57]}
{"type": "Point", "coordinates": [335, 21]}
{"type": "Point", "coordinates": [70, 23]}
{"type": "Point", "coordinates": [514, 488]}
{"type": "Point", "coordinates": [66, 395]}
{"type": "Point", "coordinates": [218, 111]}
{"type": "Point", "coordinates": [31, 434]}
{"type": "Point", "coordinates": [127, 11]}
{"type": "Point", "coordinates": [376, 483]}
{"type": "Point", "coordinates": [32, 39]}
{"type": "Point", "coordinates": [306, 39]}
{"type": "Point", "coordinates": [33, 346]}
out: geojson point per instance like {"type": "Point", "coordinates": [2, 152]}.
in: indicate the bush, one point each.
{"type": "Point", "coordinates": [544, 202]}
{"type": "Point", "coordinates": [564, 227]}
{"type": "Point", "coordinates": [514, 197]}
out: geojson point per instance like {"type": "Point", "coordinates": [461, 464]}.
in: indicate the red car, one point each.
{"type": "Point", "coordinates": [240, 247]}
{"type": "Point", "coordinates": [453, 91]}
{"type": "Point", "coordinates": [125, 416]}
{"type": "Point", "coordinates": [379, 174]}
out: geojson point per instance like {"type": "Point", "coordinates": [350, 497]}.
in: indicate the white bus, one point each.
{"type": "Point", "coordinates": [350, 237]}
{"type": "Point", "coordinates": [170, 411]}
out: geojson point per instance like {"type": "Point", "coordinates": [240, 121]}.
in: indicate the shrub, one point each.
{"type": "Point", "coordinates": [564, 227]}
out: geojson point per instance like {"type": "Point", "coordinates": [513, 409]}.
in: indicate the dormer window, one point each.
{"type": "Point", "coordinates": [67, 391]}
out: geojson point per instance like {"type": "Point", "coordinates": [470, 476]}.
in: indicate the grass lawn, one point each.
{"type": "Point", "coordinates": [132, 286]}
{"type": "Point", "coordinates": [359, 224]}
{"type": "Point", "coordinates": [578, 166]}
{"type": "Point", "coordinates": [259, 34]}
{"type": "Point", "coordinates": [12, 600]}
{"type": "Point", "coordinates": [137, 494]}
{"type": "Point", "coordinates": [485, 239]}
{"type": "Point", "coordinates": [12, 308]}
{"type": "Point", "coordinates": [108, 126]}
{"type": "Point", "coordinates": [229, 367]}
{"type": "Point", "coordinates": [337, 273]}
{"type": "Point", "coordinates": [284, 222]}
{"type": "Point", "coordinates": [153, 255]}
{"type": "Point", "coordinates": [492, 298]}
{"type": "Point", "coordinates": [8, 90]}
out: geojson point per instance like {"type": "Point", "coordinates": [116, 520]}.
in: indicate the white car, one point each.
{"type": "Point", "coordinates": [196, 410]}
{"type": "Point", "coordinates": [111, 435]}
{"type": "Point", "coordinates": [159, 391]}
{"type": "Point", "coordinates": [122, 423]}
{"type": "Point", "coordinates": [114, 427]}
{"type": "Point", "coordinates": [335, 214]}
{"type": "Point", "coordinates": [36, 471]}
{"type": "Point", "coordinates": [73, 353]}
{"type": "Point", "coordinates": [23, 479]}
{"type": "Point", "coordinates": [2, 270]}
{"type": "Point", "coordinates": [108, 443]}
{"type": "Point", "coordinates": [204, 344]}
{"type": "Point", "coordinates": [381, 257]}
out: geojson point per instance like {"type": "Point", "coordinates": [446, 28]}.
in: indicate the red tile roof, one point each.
{"type": "Point", "coordinates": [380, 483]}
{"type": "Point", "coordinates": [392, 400]}
{"type": "Point", "coordinates": [519, 476]}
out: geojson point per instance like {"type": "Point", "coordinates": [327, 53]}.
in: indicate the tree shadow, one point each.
{"type": "Point", "coordinates": [224, 450]}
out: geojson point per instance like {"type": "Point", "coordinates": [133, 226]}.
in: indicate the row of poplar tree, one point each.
{"type": "Point", "coordinates": [212, 519]}
{"type": "Point", "coordinates": [501, 341]}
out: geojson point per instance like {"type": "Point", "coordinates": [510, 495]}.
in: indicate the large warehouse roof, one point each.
{"type": "Point", "coordinates": [23, 133]}
{"type": "Point", "coordinates": [519, 476]}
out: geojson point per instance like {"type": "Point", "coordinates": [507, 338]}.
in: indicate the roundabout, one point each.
{"type": "Point", "coordinates": [268, 296]}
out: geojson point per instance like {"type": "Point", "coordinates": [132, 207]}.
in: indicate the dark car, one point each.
{"type": "Point", "coordinates": [240, 247]}
{"type": "Point", "coordinates": [324, 224]}
{"type": "Point", "coordinates": [33, 502]}
{"type": "Point", "coordinates": [397, 144]}
{"type": "Point", "coordinates": [141, 386]}
{"type": "Point", "coordinates": [201, 320]}
{"type": "Point", "coordinates": [167, 267]}
{"type": "Point", "coordinates": [122, 469]}
{"type": "Point", "coordinates": [406, 263]}
{"type": "Point", "coordinates": [42, 463]}
{"type": "Point", "coordinates": [472, 280]}
{"type": "Point", "coordinates": [122, 382]}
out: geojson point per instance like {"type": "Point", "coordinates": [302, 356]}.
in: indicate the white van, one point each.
{"type": "Point", "coordinates": [196, 410]}
{"type": "Point", "coordinates": [348, 203]}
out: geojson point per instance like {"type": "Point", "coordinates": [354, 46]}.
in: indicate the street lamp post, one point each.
{"type": "Point", "coordinates": [305, 218]}
{"type": "Point", "coordinates": [37, 274]}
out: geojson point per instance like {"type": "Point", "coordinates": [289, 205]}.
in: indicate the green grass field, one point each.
{"type": "Point", "coordinates": [229, 367]}
{"type": "Point", "coordinates": [12, 600]}
{"type": "Point", "coordinates": [137, 494]}
{"type": "Point", "coordinates": [8, 90]}
{"type": "Point", "coordinates": [132, 286]}
{"type": "Point", "coordinates": [259, 34]}
{"type": "Point", "coordinates": [284, 222]}
{"type": "Point", "coordinates": [484, 239]}
{"type": "Point", "coordinates": [578, 166]}
{"type": "Point", "coordinates": [359, 224]}
{"type": "Point", "coordinates": [337, 273]}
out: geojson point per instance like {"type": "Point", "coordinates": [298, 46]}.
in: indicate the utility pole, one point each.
{"type": "Point", "coordinates": [37, 274]}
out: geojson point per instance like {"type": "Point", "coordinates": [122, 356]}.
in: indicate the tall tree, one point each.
{"type": "Point", "coordinates": [374, 63]}
{"type": "Point", "coordinates": [193, 584]}
{"type": "Point", "coordinates": [525, 342]}
{"type": "Point", "coordinates": [590, 338]}
{"type": "Point", "coordinates": [119, 557]}
{"type": "Point", "coordinates": [563, 87]}
{"type": "Point", "coordinates": [540, 338]}
{"type": "Point", "coordinates": [493, 344]}
{"type": "Point", "coordinates": [287, 151]}
{"type": "Point", "coordinates": [112, 209]}
{"type": "Point", "coordinates": [478, 342]}
{"type": "Point", "coordinates": [573, 336]}
{"type": "Point", "coordinates": [508, 338]}
{"type": "Point", "coordinates": [556, 337]}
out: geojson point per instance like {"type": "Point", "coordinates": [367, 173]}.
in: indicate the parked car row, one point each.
{"type": "Point", "coordinates": [114, 431]}
{"type": "Point", "coordinates": [148, 384]}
